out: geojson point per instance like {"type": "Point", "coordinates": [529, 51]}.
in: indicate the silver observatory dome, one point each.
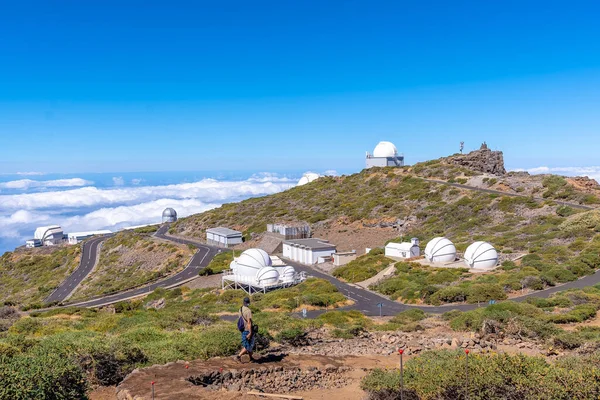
{"type": "Point", "coordinates": [169, 215]}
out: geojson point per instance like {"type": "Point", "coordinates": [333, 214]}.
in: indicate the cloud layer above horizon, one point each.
{"type": "Point", "coordinates": [75, 205]}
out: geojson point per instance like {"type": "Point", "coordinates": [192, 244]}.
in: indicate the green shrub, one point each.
{"type": "Point", "coordinates": [41, 376]}
{"type": "Point", "coordinates": [441, 376]}
{"type": "Point", "coordinates": [362, 268]}
{"type": "Point", "coordinates": [567, 341]}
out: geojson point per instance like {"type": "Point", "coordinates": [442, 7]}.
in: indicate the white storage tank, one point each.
{"type": "Point", "coordinates": [267, 276]}
{"type": "Point", "coordinates": [440, 250]}
{"type": "Point", "coordinates": [481, 255]}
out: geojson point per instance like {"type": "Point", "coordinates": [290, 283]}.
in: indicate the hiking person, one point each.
{"type": "Point", "coordinates": [247, 327]}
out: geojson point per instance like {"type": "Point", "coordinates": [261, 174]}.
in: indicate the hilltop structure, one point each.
{"type": "Point", "coordinates": [385, 155]}
{"type": "Point", "coordinates": [482, 160]}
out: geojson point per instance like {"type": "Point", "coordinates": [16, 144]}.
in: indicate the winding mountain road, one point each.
{"type": "Point", "coordinates": [89, 257]}
{"type": "Point", "coordinates": [199, 260]}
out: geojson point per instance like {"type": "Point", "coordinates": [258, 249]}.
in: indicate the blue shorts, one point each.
{"type": "Point", "coordinates": [248, 344]}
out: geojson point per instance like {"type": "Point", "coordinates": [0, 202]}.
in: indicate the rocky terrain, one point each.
{"type": "Point", "coordinates": [483, 160]}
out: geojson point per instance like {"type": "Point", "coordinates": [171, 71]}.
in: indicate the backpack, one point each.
{"type": "Point", "coordinates": [241, 324]}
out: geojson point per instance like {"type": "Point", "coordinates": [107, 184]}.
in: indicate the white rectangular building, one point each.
{"type": "Point", "coordinates": [403, 250]}
{"type": "Point", "coordinates": [223, 237]}
{"type": "Point", "coordinates": [307, 251]}
{"type": "Point", "coordinates": [31, 243]}
{"type": "Point", "coordinates": [77, 237]}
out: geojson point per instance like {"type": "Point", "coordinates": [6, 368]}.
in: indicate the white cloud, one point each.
{"type": "Point", "coordinates": [31, 173]}
{"type": "Point", "coordinates": [90, 208]}
{"type": "Point", "coordinates": [136, 181]}
{"type": "Point", "coordinates": [116, 218]}
{"type": "Point", "coordinates": [592, 172]}
{"type": "Point", "coordinates": [331, 172]}
{"type": "Point", "coordinates": [25, 184]}
{"type": "Point", "coordinates": [208, 190]}
{"type": "Point", "coordinates": [118, 180]}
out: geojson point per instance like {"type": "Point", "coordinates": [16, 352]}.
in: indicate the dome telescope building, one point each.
{"type": "Point", "coordinates": [440, 250]}
{"type": "Point", "coordinates": [253, 271]}
{"type": "Point", "coordinates": [481, 255]}
{"type": "Point", "coordinates": [307, 178]}
{"type": "Point", "coordinates": [169, 215]}
{"type": "Point", "coordinates": [385, 154]}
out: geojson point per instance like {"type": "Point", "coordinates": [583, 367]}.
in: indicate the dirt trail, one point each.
{"type": "Point", "coordinates": [171, 379]}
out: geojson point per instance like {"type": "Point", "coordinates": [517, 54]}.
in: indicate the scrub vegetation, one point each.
{"type": "Point", "coordinates": [28, 276]}
{"type": "Point", "coordinates": [84, 347]}
{"type": "Point", "coordinates": [558, 238]}
{"type": "Point", "coordinates": [441, 375]}
{"type": "Point", "coordinates": [364, 267]}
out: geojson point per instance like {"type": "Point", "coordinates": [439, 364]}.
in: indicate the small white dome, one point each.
{"type": "Point", "coordinates": [440, 250]}
{"type": "Point", "coordinates": [385, 149]}
{"type": "Point", "coordinates": [251, 261]}
{"type": "Point", "coordinates": [267, 276]}
{"type": "Point", "coordinates": [481, 255]}
{"type": "Point", "coordinates": [307, 178]}
{"type": "Point", "coordinates": [288, 274]}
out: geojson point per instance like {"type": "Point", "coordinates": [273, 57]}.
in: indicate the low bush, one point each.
{"type": "Point", "coordinates": [364, 267]}
{"type": "Point", "coordinates": [41, 377]}
{"type": "Point", "coordinates": [441, 375]}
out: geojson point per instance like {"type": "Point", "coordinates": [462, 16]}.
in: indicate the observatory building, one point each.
{"type": "Point", "coordinates": [481, 255]}
{"type": "Point", "coordinates": [440, 250]}
{"type": "Point", "coordinates": [169, 215]}
{"type": "Point", "coordinates": [46, 236]}
{"type": "Point", "coordinates": [403, 250]}
{"type": "Point", "coordinates": [385, 155]}
{"type": "Point", "coordinates": [307, 178]}
{"type": "Point", "coordinates": [253, 271]}
{"type": "Point", "coordinates": [308, 251]}
{"type": "Point", "coordinates": [223, 237]}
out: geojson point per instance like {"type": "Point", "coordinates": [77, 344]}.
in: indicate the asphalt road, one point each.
{"type": "Point", "coordinates": [199, 260]}
{"type": "Point", "coordinates": [366, 301]}
{"type": "Point", "coordinates": [88, 260]}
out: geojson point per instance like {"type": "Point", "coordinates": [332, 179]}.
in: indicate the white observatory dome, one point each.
{"type": "Point", "coordinates": [385, 149]}
{"type": "Point", "coordinates": [287, 274]}
{"type": "Point", "coordinates": [307, 178]}
{"type": "Point", "coordinates": [250, 262]}
{"type": "Point", "coordinates": [267, 276]}
{"type": "Point", "coordinates": [481, 255]}
{"type": "Point", "coordinates": [440, 250]}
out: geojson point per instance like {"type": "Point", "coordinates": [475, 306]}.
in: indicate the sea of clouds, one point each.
{"type": "Point", "coordinates": [78, 204]}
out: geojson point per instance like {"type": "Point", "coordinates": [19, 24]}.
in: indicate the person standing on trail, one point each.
{"type": "Point", "coordinates": [246, 326]}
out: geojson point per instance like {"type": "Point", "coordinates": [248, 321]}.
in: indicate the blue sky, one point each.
{"type": "Point", "coordinates": [103, 86]}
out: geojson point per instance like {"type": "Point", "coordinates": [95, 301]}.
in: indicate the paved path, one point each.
{"type": "Point", "coordinates": [89, 257]}
{"type": "Point", "coordinates": [199, 260]}
{"type": "Point", "coordinates": [501, 193]}
{"type": "Point", "coordinates": [366, 301]}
